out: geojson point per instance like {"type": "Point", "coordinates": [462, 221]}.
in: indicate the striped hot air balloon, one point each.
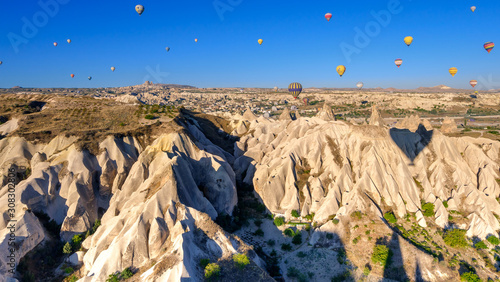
{"type": "Point", "coordinates": [398, 62]}
{"type": "Point", "coordinates": [453, 71]}
{"type": "Point", "coordinates": [473, 83]}
{"type": "Point", "coordinates": [328, 16]}
{"type": "Point", "coordinates": [295, 89]}
{"type": "Point", "coordinates": [488, 46]}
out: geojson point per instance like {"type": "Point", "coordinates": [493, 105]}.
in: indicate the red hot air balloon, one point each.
{"type": "Point", "coordinates": [72, 75]}
{"type": "Point", "coordinates": [398, 62]}
{"type": "Point", "coordinates": [328, 16]}
{"type": "Point", "coordinates": [488, 46]}
{"type": "Point", "coordinates": [473, 83]}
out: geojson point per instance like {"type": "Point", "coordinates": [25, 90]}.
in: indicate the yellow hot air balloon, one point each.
{"type": "Point", "coordinates": [408, 40]}
{"type": "Point", "coordinates": [260, 41]}
{"type": "Point", "coordinates": [196, 40]}
{"type": "Point", "coordinates": [341, 70]}
{"type": "Point", "coordinates": [69, 40]}
{"type": "Point", "coordinates": [139, 9]}
{"type": "Point", "coordinates": [453, 71]}
{"type": "Point", "coordinates": [112, 68]}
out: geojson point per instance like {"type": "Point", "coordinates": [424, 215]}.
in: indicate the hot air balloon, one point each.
{"type": "Point", "coordinates": [72, 75]}
{"type": "Point", "coordinates": [112, 68]}
{"type": "Point", "coordinates": [139, 9]}
{"type": "Point", "coordinates": [276, 89]}
{"type": "Point", "coordinates": [476, 92]}
{"type": "Point", "coordinates": [90, 78]}
{"type": "Point", "coordinates": [196, 40]}
{"type": "Point", "coordinates": [398, 62]}
{"type": "Point", "coordinates": [295, 89]}
{"type": "Point", "coordinates": [69, 40]}
{"type": "Point", "coordinates": [473, 83]}
{"type": "Point", "coordinates": [488, 46]}
{"type": "Point", "coordinates": [168, 49]}
{"type": "Point", "coordinates": [341, 70]}
{"type": "Point", "coordinates": [408, 40]}
{"type": "Point", "coordinates": [55, 43]}
{"type": "Point", "coordinates": [260, 41]}
{"type": "Point", "coordinates": [473, 8]}
{"type": "Point", "coordinates": [359, 85]}
{"type": "Point", "coordinates": [453, 71]}
{"type": "Point", "coordinates": [328, 16]}
{"type": "Point", "coordinates": [306, 101]}
{"type": "Point", "coordinates": [1, 62]}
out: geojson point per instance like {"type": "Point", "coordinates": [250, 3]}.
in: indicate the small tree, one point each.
{"type": "Point", "coordinates": [380, 255]}
{"type": "Point", "coordinates": [212, 270]}
{"type": "Point", "coordinates": [76, 241]}
{"type": "Point", "coordinates": [390, 217]}
{"type": "Point", "coordinates": [297, 239]}
{"type": "Point", "coordinates": [295, 213]}
{"type": "Point", "coordinates": [241, 260]}
{"type": "Point", "coordinates": [455, 238]}
{"type": "Point", "coordinates": [289, 232]}
{"type": "Point", "coordinates": [278, 221]}
{"type": "Point", "coordinates": [127, 273]}
{"type": "Point", "coordinates": [67, 248]}
{"type": "Point", "coordinates": [493, 240]}
{"type": "Point", "coordinates": [480, 245]}
{"type": "Point", "coordinates": [428, 209]}
{"type": "Point", "coordinates": [470, 277]}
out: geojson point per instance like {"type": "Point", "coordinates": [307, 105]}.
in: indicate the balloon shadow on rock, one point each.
{"type": "Point", "coordinates": [411, 143]}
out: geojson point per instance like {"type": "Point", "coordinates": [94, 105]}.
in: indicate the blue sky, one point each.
{"type": "Point", "coordinates": [299, 43]}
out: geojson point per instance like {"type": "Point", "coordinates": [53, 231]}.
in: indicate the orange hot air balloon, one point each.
{"type": "Point", "coordinates": [398, 62]}
{"type": "Point", "coordinates": [72, 75]}
{"type": "Point", "coordinates": [112, 68]}
{"type": "Point", "coordinates": [196, 40]}
{"type": "Point", "coordinates": [473, 83]}
{"type": "Point", "coordinates": [55, 43]}
{"type": "Point", "coordinates": [328, 16]}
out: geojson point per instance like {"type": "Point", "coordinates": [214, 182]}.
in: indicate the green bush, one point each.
{"type": "Point", "coordinates": [301, 254]}
{"type": "Point", "coordinates": [149, 116]}
{"type": "Point", "coordinates": [428, 209]}
{"type": "Point", "coordinates": [329, 236]}
{"type": "Point", "coordinates": [257, 222]}
{"type": "Point", "coordinates": [241, 260]}
{"type": "Point", "coordinates": [113, 278]}
{"type": "Point", "coordinates": [455, 238]}
{"type": "Point", "coordinates": [67, 248]}
{"type": "Point", "coordinates": [278, 221]}
{"type": "Point", "coordinates": [271, 242]}
{"type": "Point", "coordinates": [97, 223]}
{"type": "Point", "coordinates": [259, 232]}
{"type": "Point", "coordinates": [72, 278]}
{"type": "Point", "coordinates": [390, 217]}
{"type": "Point", "coordinates": [445, 204]}
{"type": "Point", "coordinates": [204, 262]}
{"type": "Point", "coordinates": [69, 270]}
{"type": "Point", "coordinates": [469, 277]}
{"type": "Point", "coordinates": [341, 256]}
{"type": "Point", "coordinates": [335, 221]}
{"type": "Point", "coordinates": [480, 245]}
{"type": "Point", "coordinates": [310, 216]}
{"type": "Point", "coordinates": [286, 247]}
{"type": "Point", "coordinates": [356, 240]}
{"type": "Point", "coordinates": [295, 213]}
{"type": "Point", "coordinates": [493, 240]}
{"type": "Point", "coordinates": [76, 242]}
{"type": "Point", "coordinates": [127, 273]}
{"type": "Point", "coordinates": [357, 214]}
{"type": "Point", "coordinates": [212, 270]}
{"type": "Point", "coordinates": [289, 232]}
{"type": "Point", "coordinates": [297, 239]}
{"type": "Point", "coordinates": [381, 255]}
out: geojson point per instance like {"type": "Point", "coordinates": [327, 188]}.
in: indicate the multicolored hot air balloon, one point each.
{"type": "Point", "coordinates": [398, 62]}
{"type": "Point", "coordinates": [55, 43]}
{"type": "Point", "coordinates": [295, 89]}
{"type": "Point", "coordinates": [473, 8]}
{"type": "Point", "coordinates": [260, 41]}
{"type": "Point", "coordinates": [90, 78]}
{"type": "Point", "coordinates": [341, 70]}
{"type": "Point", "coordinates": [328, 16]}
{"type": "Point", "coordinates": [306, 101]}
{"type": "Point", "coordinates": [408, 40]}
{"type": "Point", "coordinates": [488, 46]}
{"type": "Point", "coordinates": [112, 68]}
{"type": "Point", "coordinates": [473, 83]}
{"type": "Point", "coordinates": [139, 9]}
{"type": "Point", "coordinates": [69, 40]}
{"type": "Point", "coordinates": [359, 85]}
{"type": "Point", "coordinates": [72, 75]}
{"type": "Point", "coordinates": [168, 49]}
{"type": "Point", "coordinates": [453, 71]}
